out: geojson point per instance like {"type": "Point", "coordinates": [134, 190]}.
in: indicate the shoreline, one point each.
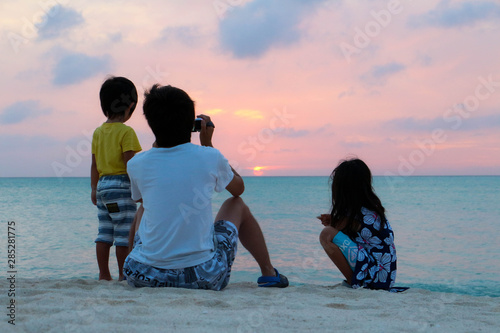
{"type": "Point", "coordinates": [85, 305]}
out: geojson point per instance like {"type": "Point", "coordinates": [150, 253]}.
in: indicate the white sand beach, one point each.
{"type": "Point", "coordinates": [93, 306]}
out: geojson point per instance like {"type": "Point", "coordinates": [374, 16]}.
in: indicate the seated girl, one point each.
{"type": "Point", "coordinates": [357, 236]}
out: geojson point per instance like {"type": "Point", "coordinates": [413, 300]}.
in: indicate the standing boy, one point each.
{"type": "Point", "coordinates": [113, 145]}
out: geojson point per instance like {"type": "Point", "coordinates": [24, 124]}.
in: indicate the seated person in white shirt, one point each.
{"type": "Point", "coordinates": [177, 243]}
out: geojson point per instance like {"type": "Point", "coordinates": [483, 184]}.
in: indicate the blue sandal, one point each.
{"type": "Point", "coordinates": [278, 281]}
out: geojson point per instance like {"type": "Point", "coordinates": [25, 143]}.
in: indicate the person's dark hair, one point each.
{"type": "Point", "coordinates": [352, 189]}
{"type": "Point", "coordinates": [170, 114]}
{"type": "Point", "coordinates": [116, 95]}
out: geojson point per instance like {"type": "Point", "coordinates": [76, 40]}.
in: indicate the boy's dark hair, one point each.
{"type": "Point", "coordinates": [117, 94]}
{"type": "Point", "coordinates": [170, 114]}
{"type": "Point", "coordinates": [352, 189]}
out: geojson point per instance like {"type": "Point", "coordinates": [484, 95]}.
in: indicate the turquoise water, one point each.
{"type": "Point", "coordinates": [446, 229]}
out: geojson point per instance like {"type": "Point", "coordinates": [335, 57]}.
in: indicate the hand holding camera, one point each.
{"type": "Point", "coordinates": [206, 128]}
{"type": "Point", "coordinates": [197, 124]}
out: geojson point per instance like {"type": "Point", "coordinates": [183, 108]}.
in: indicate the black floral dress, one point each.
{"type": "Point", "coordinates": [376, 259]}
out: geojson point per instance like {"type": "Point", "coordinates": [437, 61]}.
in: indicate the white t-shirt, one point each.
{"type": "Point", "coordinates": [176, 186]}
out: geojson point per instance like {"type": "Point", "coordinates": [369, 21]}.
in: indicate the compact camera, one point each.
{"type": "Point", "coordinates": [197, 125]}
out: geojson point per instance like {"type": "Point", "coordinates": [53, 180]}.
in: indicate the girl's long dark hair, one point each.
{"type": "Point", "coordinates": [352, 189]}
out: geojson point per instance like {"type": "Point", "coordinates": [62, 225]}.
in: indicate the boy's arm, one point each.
{"type": "Point", "coordinates": [127, 156]}
{"type": "Point", "coordinates": [94, 178]}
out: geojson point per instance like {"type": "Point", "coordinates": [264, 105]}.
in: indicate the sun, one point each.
{"type": "Point", "coordinates": [257, 171]}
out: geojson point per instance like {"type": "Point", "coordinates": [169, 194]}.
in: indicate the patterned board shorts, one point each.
{"type": "Point", "coordinates": [348, 248]}
{"type": "Point", "coordinates": [115, 209]}
{"type": "Point", "coordinates": [213, 274]}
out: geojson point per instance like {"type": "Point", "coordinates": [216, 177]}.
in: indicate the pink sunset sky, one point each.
{"type": "Point", "coordinates": [411, 87]}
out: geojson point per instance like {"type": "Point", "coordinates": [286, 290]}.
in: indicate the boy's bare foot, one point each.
{"type": "Point", "coordinates": [105, 277]}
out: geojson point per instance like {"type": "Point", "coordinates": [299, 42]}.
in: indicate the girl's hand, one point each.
{"type": "Point", "coordinates": [325, 219]}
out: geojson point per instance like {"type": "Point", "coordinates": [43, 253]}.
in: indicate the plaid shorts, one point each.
{"type": "Point", "coordinates": [212, 274]}
{"type": "Point", "coordinates": [115, 209]}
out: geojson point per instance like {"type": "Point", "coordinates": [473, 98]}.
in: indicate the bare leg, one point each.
{"type": "Point", "coordinates": [334, 253]}
{"type": "Point", "coordinates": [121, 254]}
{"type": "Point", "coordinates": [102, 253]}
{"type": "Point", "coordinates": [250, 234]}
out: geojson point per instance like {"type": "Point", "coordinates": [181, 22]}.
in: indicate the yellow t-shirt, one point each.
{"type": "Point", "coordinates": [109, 142]}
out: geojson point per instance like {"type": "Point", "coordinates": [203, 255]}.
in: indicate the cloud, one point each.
{"type": "Point", "coordinates": [480, 123]}
{"type": "Point", "coordinates": [57, 21]}
{"type": "Point", "coordinates": [249, 114]}
{"type": "Point", "coordinates": [254, 28]}
{"type": "Point", "coordinates": [285, 150]}
{"type": "Point", "coordinates": [189, 36]}
{"type": "Point", "coordinates": [425, 60]}
{"type": "Point", "coordinates": [22, 110]}
{"type": "Point", "coordinates": [115, 37]}
{"type": "Point", "coordinates": [347, 93]}
{"type": "Point", "coordinates": [293, 133]}
{"type": "Point", "coordinates": [213, 112]}
{"type": "Point", "coordinates": [77, 67]}
{"type": "Point", "coordinates": [354, 144]}
{"type": "Point", "coordinates": [26, 155]}
{"type": "Point", "coordinates": [18, 143]}
{"type": "Point", "coordinates": [386, 70]}
{"type": "Point", "coordinates": [379, 74]}
{"type": "Point", "coordinates": [463, 14]}
{"type": "Point", "coordinates": [290, 132]}
{"type": "Point", "coordinates": [413, 124]}
{"type": "Point", "coordinates": [456, 123]}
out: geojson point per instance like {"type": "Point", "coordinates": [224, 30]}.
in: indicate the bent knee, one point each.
{"type": "Point", "coordinates": [235, 202]}
{"type": "Point", "coordinates": [233, 209]}
{"type": "Point", "coordinates": [327, 234]}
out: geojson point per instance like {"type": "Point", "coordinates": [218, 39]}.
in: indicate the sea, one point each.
{"type": "Point", "coordinates": [447, 230]}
